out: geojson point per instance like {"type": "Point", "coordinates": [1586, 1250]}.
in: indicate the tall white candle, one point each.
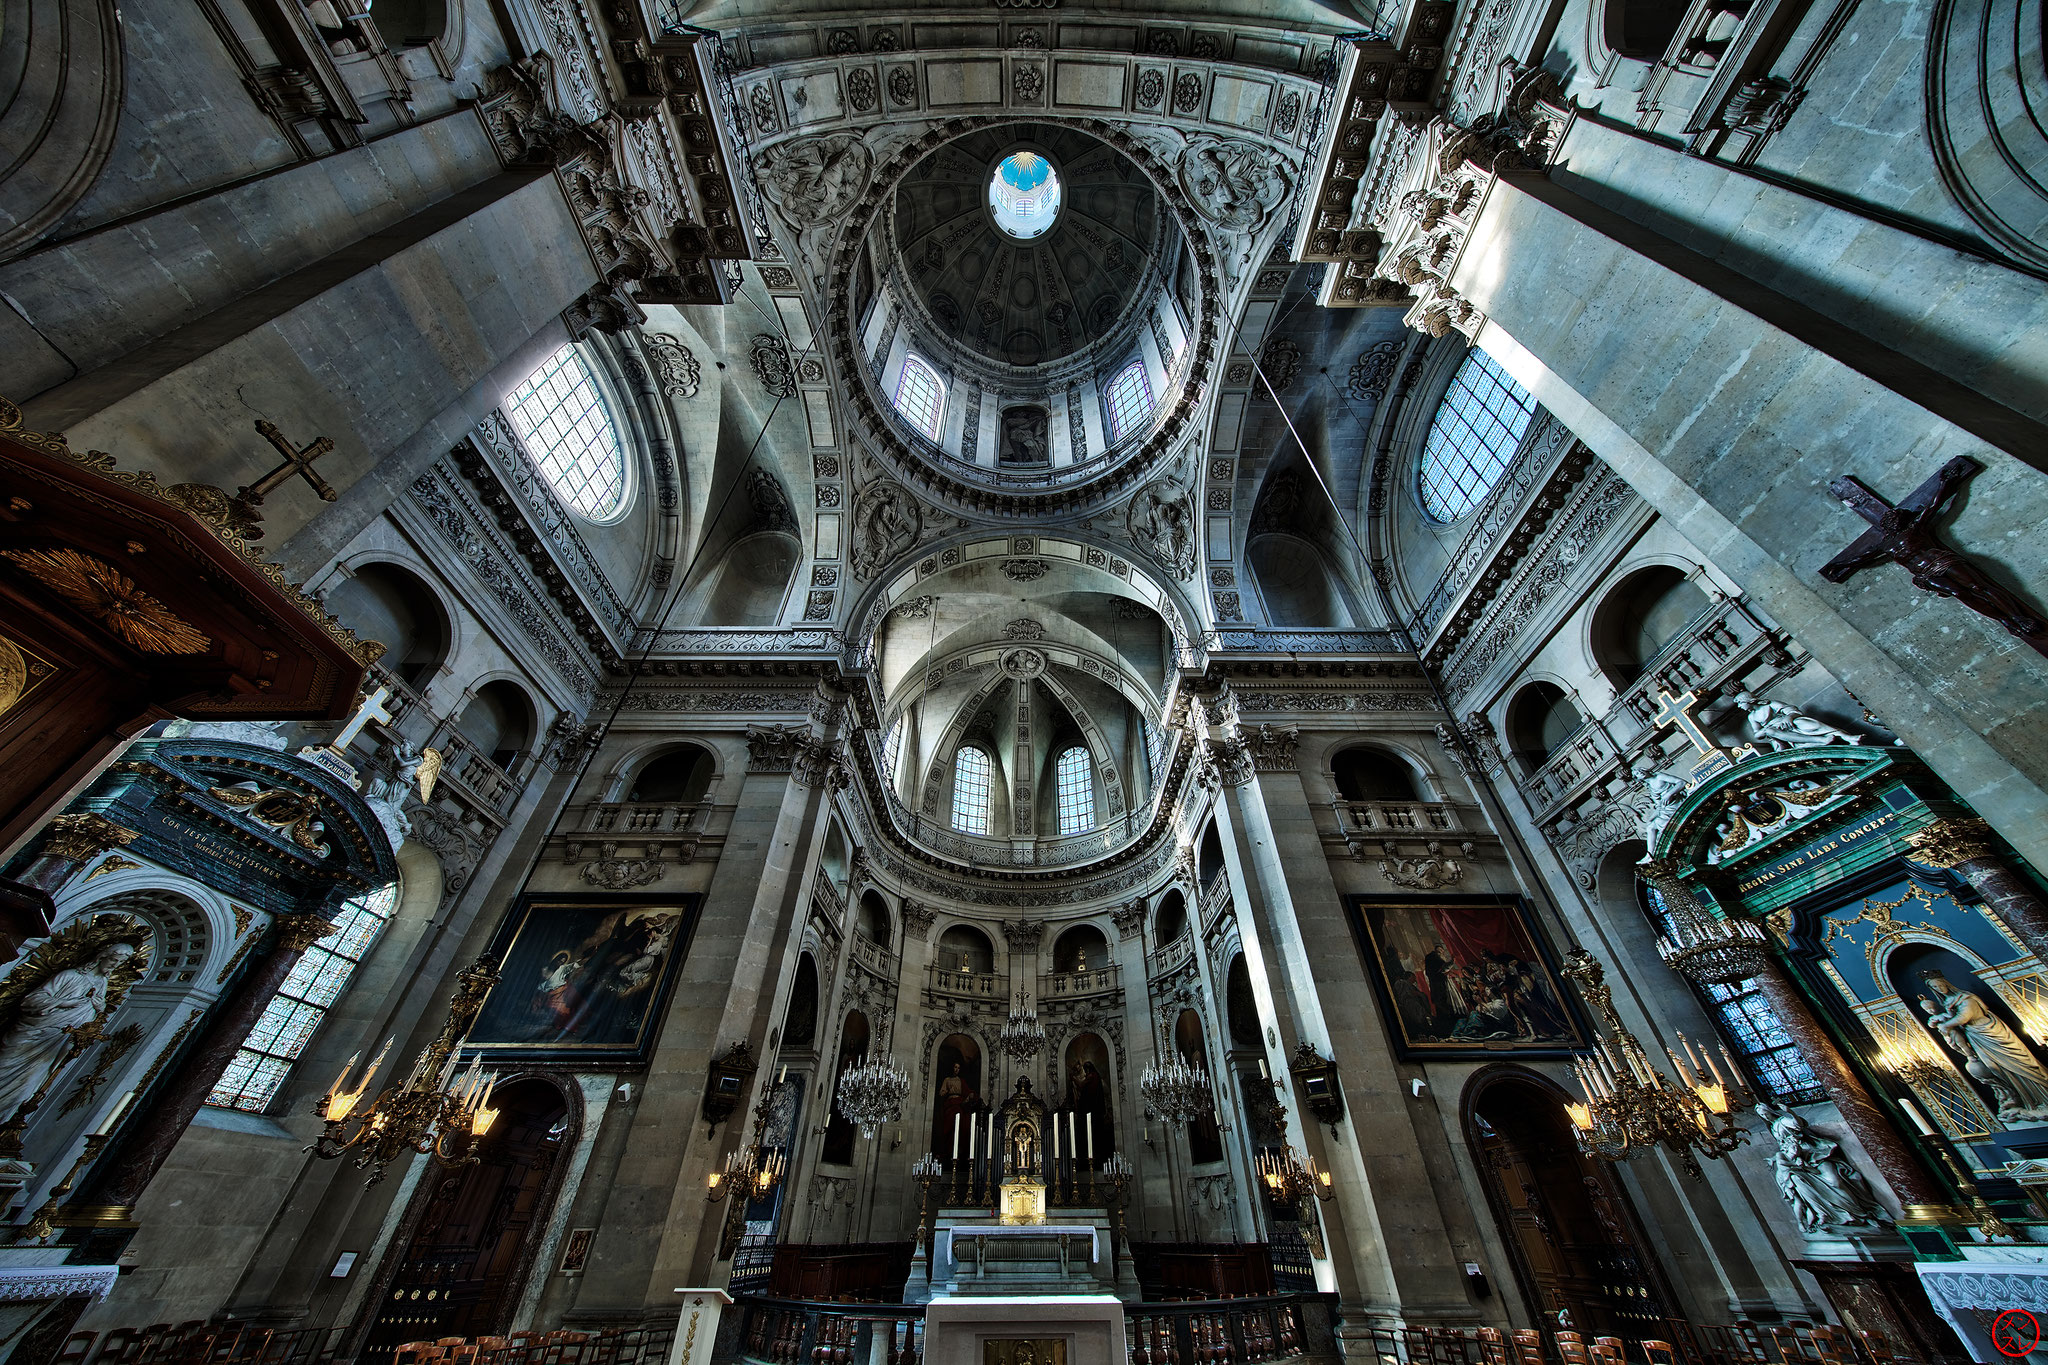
{"type": "Point", "coordinates": [972, 1129]}
{"type": "Point", "coordinates": [956, 1135]}
{"type": "Point", "coordinates": [1071, 1148]}
{"type": "Point", "coordinates": [1055, 1141]}
{"type": "Point", "coordinates": [1091, 1137]}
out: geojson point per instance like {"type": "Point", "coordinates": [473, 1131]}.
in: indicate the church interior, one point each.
{"type": "Point", "coordinates": [1023, 682]}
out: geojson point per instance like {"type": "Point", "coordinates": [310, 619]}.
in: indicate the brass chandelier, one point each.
{"type": "Point", "coordinates": [1630, 1108]}
{"type": "Point", "coordinates": [437, 1110]}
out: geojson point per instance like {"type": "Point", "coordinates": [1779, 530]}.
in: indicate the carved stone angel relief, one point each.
{"type": "Point", "coordinates": [886, 523]}
{"type": "Point", "coordinates": [1235, 184]}
{"type": "Point", "coordinates": [1163, 525]}
{"type": "Point", "coordinates": [814, 180]}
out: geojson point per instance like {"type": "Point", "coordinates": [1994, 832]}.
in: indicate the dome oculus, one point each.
{"type": "Point", "coordinates": [1024, 195]}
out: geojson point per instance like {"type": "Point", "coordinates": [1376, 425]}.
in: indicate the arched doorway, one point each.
{"type": "Point", "coordinates": [1576, 1244]}
{"type": "Point", "coordinates": [472, 1242]}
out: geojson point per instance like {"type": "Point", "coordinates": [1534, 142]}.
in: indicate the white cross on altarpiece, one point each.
{"type": "Point", "coordinates": [1677, 711]}
{"type": "Point", "coordinates": [331, 755]}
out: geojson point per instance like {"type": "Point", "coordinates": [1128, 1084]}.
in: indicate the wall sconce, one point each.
{"type": "Point", "coordinates": [1315, 1081]}
{"type": "Point", "coordinates": [725, 1083]}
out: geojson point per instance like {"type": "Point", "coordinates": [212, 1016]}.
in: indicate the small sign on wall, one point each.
{"type": "Point", "coordinates": [576, 1251]}
{"type": "Point", "coordinates": [343, 1264]}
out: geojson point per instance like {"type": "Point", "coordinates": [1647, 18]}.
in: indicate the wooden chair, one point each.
{"type": "Point", "coordinates": [1493, 1346]}
{"type": "Point", "coordinates": [1571, 1348]}
{"type": "Point", "coordinates": [1528, 1346]}
{"type": "Point", "coordinates": [1876, 1348]}
{"type": "Point", "coordinates": [1659, 1352]}
{"type": "Point", "coordinates": [77, 1347]}
{"type": "Point", "coordinates": [1609, 1351]}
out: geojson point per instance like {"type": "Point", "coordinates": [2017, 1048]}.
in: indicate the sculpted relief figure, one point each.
{"type": "Point", "coordinates": [814, 180]}
{"type": "Point", "coordinates": [1162, 524]}
{"type": "Point", "coordinates": [1664, 790]}
{"type": "Point", "coordinates": [1991, 1051]}
{"type": "Point", "coordinates": [1236, 184]}
{"type": "Point", "coordinates": [1816, 1177]}
{"type": "Point", "coordinates": [49, 1017]}
{"type": "Point", "coordinates": [886, 523]}
{"type": "Point", "coordinates": [1780, 726]}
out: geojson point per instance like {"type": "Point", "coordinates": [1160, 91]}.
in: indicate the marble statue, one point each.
{"type": "Point", "coordinates": [1991, 1051]}
{"type": "Point", "coordinates": [1816, 1177]}
{"type": "Point", "coordinates": [386, 796]}
{"type": "Point", "coordinates": [1665, 791]}
{"type": "Point", "coordinates": [1780, 726]}
{"type": "Point", "coordinates": [42, 1038]}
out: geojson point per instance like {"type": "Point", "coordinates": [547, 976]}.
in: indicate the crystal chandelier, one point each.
{"type": "Point", "coordinates": [1701, 947]}
{"type": "Point", "coordinates": [872, 1093]}
{"type": "Point", "coordinates": [1023, 1037]}
{"type": "Point", "coordinates": [1177, 1091]}
{"type": "Point", "coordinates": [1631, 1108]}
{"type": "Point", "coordinates": [436, 1110]}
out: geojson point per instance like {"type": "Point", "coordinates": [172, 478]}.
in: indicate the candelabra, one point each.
{"type": "Point", "coordinates": [929, 1172]}
{"type": "Point", "coordinates": [1631, 1108]}
{"type": "Point", "coordinates": [436, 1110]}
{"type": "Point", "coordinates": [1177, 1091]}
{"type": "Point", "coordinates": [755, 1170]}
{"type": "Point", "coordinates": [1119, 1172]}
{"type": "Point", "coordinates": [1290, 1178]}
{"type": "Point", "coordinates": [872, 1093]}
{"type": "Point", "coordinates": [1023, 1037]}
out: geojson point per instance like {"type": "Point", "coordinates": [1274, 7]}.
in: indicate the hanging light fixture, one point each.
{"type": "Point", "coordinates": [872, 1093]}
{"type": "Point", "coordinates": [1023, 1037]}
{"type": "Point", "coordinates": [1177, 1091]}
{"type": "Point", "coordinates": [1702, 947]}
{"type": "Point", "coordinates": [1630, 1108]}
{"type": "Point", "coordinates": [437, 1110]}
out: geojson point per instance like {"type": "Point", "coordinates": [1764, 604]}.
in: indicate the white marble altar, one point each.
{"type": "Point", "coordinates": [1092, 1325]}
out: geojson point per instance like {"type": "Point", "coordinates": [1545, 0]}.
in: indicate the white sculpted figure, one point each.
{"type": "Point", "coordinates": [41, 1036]}
{"type": "Point", "coordinates": [1816, 1177]}
{"type": "Point", "coordinates": [1665, 790]}
{"type": "Point", "coordinates": [1780, 726]}
{"type": "Point", "coordinates": [1990, 1050]}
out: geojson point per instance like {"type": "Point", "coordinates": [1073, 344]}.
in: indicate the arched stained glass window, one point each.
{"type": "Point", "coordinates": [317, 980]}
{"type": "Point", "coordinates": [1075, 790]}
{"type": "Point", "coordinates": [971, 813]}
{"type": "Point", "coordinates": [562, 421]}
{"type": "Point", "coordinates": [920, 396]}
{"type": "Point", "coordinates": [1750, 1026]}
{"type": "Point", "coordinates": [1473, 437]}
{"type": "Point", "coordinates": [1130, 401]}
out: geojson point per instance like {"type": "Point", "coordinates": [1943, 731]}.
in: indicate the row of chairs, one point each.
{"type": "Point", "coordinates": [201, 1343]}
{"type": "Point", "coordinates": [1742, 1343]}
{"type": "Point", "coordinates": [613, 1346]}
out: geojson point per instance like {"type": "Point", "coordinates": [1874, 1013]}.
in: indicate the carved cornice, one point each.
{"type": "Point", "coordinates": [1489, 555]}
{"type": "Point", "coordinates": [81, 838]}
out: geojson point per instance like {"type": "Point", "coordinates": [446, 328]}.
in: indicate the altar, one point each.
{"type": "Point", "coordinates": [976, 1258]}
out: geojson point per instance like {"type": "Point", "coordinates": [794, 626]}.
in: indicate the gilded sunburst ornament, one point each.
{"type": "Point", "coordinates": [110, 597]}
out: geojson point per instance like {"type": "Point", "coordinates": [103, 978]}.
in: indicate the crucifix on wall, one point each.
{"type": "Point", "coordinates": [297, 462]}
{"type": "Point", "coordinates": [1904, 534]}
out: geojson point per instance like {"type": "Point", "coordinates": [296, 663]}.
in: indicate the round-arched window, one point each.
{"type": "Point", "coordinates": [1472, 438]}
{"type": "Point", "coordinates": [562, 420]}
{"type": "Point", "coordinates": [920, 396]}
{"type": "Point", "coordinates": [1129, 400]}
{"type": "Point", "coordinates": [1024, 195]}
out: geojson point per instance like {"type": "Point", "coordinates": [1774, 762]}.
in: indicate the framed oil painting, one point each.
{"type": "Point", "coordinates": [1465, 977]}
{"type": "Point", "coordinates": [584, 979]}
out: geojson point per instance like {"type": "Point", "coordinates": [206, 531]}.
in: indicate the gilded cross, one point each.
{"type": "Point", "coordinates": [296, 461]}
{"type": "Point", "coordinates": [1678, 711]}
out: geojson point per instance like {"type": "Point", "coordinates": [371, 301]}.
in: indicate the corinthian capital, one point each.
{"type": "Point", "coordinates": [81, 838]}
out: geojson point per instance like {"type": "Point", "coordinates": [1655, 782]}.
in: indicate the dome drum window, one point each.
{"type": "Point", "coordinates": [1129, 399]}
{"type": "Point", "coordinates": [1472, 438]}
{"type": "Point", "coordinates": [1024, 195]}
{"type": "Point", "coordinates": [921, 396]}
{"type": "Point", "coordinates": [567, 429]}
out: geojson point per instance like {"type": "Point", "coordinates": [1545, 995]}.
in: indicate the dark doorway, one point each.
{"type": "Point", "coordinates": [462, 1271]}
{"type": "Point", "coordinates": [1575, 1241]}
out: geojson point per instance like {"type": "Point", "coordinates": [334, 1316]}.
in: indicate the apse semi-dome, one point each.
{"type": "Point", "coordinates": [1030, 316]}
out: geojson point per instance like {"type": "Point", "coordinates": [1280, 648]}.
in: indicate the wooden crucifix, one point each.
{"type": "Point", "coordinates": [1904, 534]}
{"type": "Point", "coordinates": [296, 462]}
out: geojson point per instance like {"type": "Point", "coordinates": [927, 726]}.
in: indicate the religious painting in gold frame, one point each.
{"type": "Point", "coordinates": [1465, 977]}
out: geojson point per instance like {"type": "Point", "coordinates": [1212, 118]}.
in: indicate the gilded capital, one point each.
{"type": "Point", "coordinates": [1949, 843]}
{"type": "Point", "coordinates": [80, 838]}
{"type": "Point", "coordinates": [296, 933]}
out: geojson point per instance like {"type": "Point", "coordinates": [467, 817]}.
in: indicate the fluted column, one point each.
{"type": "Point", "coordinates": [1965, 845]}
{"type": "Point", "coordinates": [157, 1130]}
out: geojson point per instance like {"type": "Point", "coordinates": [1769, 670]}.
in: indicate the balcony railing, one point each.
{"type": "Point", "coordinates": [1074, 985]}
{"type": "Point", "coordinates": [1215, 896]}
{"type": "Point", "coordinates": [644, 818]}
{"type": "Point", "coordinates": [967, 985]}
{"type": "Point", "coordinates": [875, 957]}
{"type": "Point", "coordinates": [402, 702]}
{"type": "Point", "coordinates": [1718, 644]}
{"type": "Point", "coordinates": [1395, 819]}
{"type": "Point", "coordinates": [471, 771]}
{"type": "Point", "coordinates": [1171, 958]}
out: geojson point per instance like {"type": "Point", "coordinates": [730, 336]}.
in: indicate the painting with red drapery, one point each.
{"type": "Point", "coordinates": [1465, 975]}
